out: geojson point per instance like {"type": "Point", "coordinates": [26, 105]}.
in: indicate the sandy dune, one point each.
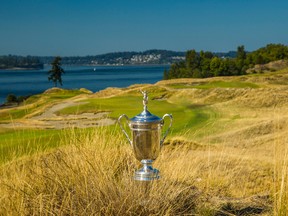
{"type": "Point", "coordinates": [50, 120]}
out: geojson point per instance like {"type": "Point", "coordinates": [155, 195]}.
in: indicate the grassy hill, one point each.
{"type": "Point", "coordinates": [226, 153]}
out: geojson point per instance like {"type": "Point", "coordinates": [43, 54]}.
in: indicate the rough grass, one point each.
{"type": "Point", "coordinates": [93, 176]}
{"type": "Point", "coordinates": [226, 155]}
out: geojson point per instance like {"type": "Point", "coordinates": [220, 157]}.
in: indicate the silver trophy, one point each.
{"type": "Point", "coordinates": [146, 139]}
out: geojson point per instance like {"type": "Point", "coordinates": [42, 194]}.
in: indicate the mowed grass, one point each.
{"type": "Point", "coordinates": [15, 143]}
{"type": "Point", "coordinates": [215, 84]}
{"type": "Point", "coordinates": [185, 116]}
{"type": "Point", "coordinates": [35, 102]}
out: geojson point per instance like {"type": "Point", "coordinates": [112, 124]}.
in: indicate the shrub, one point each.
{"type": "Point", "coordinates": [11, 98]}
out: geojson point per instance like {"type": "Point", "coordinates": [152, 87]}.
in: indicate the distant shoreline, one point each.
{"type": "Point", "coordinates": [87, 65]}
{"type": "Point", "coordinates": [20, 68]}
{"type": "Point", "coordinates": [18, 83]}
{"type": "Point", "coordinates": [114, 65]}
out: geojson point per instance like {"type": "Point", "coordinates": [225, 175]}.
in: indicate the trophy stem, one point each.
{"type": "Point", "coordinates": [147, 172]}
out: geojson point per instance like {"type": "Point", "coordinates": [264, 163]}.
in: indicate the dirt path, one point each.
{"type": "Point", "coordinates": [50, 113]}
{"type": "Point", "coordinates": [50, 120]}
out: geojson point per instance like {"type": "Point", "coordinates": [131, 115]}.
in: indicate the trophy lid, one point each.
{"type": "Point", "coordinates": [146, 116]}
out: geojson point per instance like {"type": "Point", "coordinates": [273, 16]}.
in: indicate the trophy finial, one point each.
{"type": "Point", "coordinates": [145, 99]}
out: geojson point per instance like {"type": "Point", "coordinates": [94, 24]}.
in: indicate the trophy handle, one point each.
{"type": "Point", "coordinates": [122, 128]}
{"type": "Point", "coordinates": [167, 131]}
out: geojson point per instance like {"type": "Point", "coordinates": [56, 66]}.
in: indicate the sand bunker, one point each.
{"type": "Point", "coordinates": [50, 120]}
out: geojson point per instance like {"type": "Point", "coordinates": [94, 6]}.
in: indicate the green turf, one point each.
{"type": "Point", "coordinates": [14, 114]}
{"type": "Point", "coordinates": [184, 115]}
{"type": "Point", "coordinates": [186, 118]}
{"type": "Point", "coordinates": [216, 84]}
{"type": "Point", "coordinates": [21, 142]}
{"type": "Point", "coordinates": [16, 143]}
{"type": "Point", "coordinates": [52, 97]}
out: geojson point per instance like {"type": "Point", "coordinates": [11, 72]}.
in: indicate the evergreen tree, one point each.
{"type": "Point", "coordinates": [240, 60]}
{"type": "Point", "coordinates": [166, 75]}
{"type": "Point", "coordinates": [241, 53]}
{"type": "Point", "coordinates": [55, 74]}
{"type": "Point", "coordinates": [192, 59]}
{"type": "Point", "coordinates": [206, 64]}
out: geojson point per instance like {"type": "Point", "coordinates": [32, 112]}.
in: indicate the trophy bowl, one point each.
{"type": "Point", "coordinates": [146, 139]}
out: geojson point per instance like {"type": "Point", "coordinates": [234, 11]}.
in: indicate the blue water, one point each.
{"type": "Point", "coordinates": [29, 82]}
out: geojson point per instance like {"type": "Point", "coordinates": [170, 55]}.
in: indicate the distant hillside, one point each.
{"type": "Point", "coordinates": [149, 57]}
{"type": "Point", "coordinates": [130, 58]}
{"type": "Point", "coordinates": [122, 58]}
{"type": "Point", "coordinates": [20, 62]}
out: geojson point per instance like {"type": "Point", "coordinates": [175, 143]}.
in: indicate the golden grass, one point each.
{"type": "Point", "coordinates": [93, 175]}
{"type": "Point", "coordinates": [235, 164]}
{"type": "Point", "coordinates": [280, 178]}
{"type": "Point", "coordinates": [89, 177]}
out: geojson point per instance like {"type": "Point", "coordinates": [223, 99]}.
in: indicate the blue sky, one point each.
{"type": "Point", "coordinates": [90, 27]}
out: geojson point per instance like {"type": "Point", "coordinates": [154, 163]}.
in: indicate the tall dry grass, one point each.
{"type": "Point", "coordinates": [280, 183]}
{"type": "Point", "coordinates": [93, 175]}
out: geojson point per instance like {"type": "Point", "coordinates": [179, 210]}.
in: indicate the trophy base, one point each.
{"type": "Point", "coordinates": [147, 172]}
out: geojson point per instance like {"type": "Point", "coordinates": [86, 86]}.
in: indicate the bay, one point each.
{"type": "Point", "coordinates": [30, 82]}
